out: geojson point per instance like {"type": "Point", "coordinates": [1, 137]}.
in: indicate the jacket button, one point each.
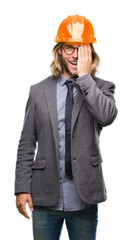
{"type": "Point", "coordinates": [74, 158]}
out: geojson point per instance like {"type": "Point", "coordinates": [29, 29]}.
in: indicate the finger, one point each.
{"type": "Point", "coordinates": [80, 51]}
{"type": "Point", "coordinates": [30, 203]}
{"type": "Point", "coordinates": [92, 68]}
{"type": "Point", "coordinates": [23, 211]}
{"type": "Point", "coordinates": [84, 51]}
{"type": "Point", "coordinates": [22, 208]}
{"type": "Point", "coordinates": [86, 48]}
{"type": "Point", "coordinates": [89, 54]}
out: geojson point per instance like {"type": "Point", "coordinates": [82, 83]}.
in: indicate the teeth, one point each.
{"type": "Point", "coordinates": [75, 63]}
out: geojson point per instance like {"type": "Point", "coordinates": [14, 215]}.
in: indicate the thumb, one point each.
{"type": "Point", "coordinates": [92, 68]}
{"type": "Point", "coordinates": [30, 203]}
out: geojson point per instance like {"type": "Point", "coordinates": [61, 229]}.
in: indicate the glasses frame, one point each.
{"type": "Point", "coordinates": [72, 47]}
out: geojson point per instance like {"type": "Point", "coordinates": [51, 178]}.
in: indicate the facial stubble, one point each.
{"type": "Point", "coordinates": [65, 67]}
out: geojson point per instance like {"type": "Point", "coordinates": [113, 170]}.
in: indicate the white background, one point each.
{"type": "Point", "coordinates": [27, 31]}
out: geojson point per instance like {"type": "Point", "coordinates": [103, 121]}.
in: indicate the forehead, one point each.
{"type": "Point", "coordinates": [72, 44]}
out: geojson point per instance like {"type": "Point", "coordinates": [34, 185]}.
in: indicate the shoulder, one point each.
{"type": "Point", "coordinates": [101, 82]}
{"type": "Point", "coordinates": [39, 86]}
{"type": "Point", "coordinates": [104, 84]}
{"type": "Point", "coordinates": [42, 82]}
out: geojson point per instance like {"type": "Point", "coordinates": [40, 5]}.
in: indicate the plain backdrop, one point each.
{"type": "Point", "coordinates": [27, 31]}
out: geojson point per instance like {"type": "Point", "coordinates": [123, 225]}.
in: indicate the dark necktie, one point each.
{"type": "Point", "coordinates": [68, 112]}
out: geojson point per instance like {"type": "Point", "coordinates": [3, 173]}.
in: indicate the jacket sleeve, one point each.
{"type": "Point", "coordinates": [26, 148]}
{"type": "Point", "coordinates": [100, 100]}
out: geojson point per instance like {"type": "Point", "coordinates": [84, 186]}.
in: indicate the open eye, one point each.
{"type": "Point", "coordinates": [69, 49]}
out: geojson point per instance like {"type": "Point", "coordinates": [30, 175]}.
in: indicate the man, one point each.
{"type": "Point", "coordinates": [65, 114]}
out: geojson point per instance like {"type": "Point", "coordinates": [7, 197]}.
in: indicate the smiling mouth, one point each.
{"type": "Point", "coordinates": [73, 63]}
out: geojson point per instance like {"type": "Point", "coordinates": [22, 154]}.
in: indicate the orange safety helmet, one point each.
{"type": "Point", "coordinates": [75, 28]}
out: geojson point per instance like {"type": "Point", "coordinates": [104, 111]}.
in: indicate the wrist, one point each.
{"type": "Point", "coordinates": [82, 74]}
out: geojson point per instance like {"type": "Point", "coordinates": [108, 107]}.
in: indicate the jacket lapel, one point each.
{"type": "Point", "coordinates": [50, 91]}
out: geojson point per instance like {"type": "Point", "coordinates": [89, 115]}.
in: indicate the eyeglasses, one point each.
{"type": "Point", "coordinates": [69, 49]}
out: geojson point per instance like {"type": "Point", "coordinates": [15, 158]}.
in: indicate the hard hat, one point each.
{"type": "Point", "coordinates": [75, 28]}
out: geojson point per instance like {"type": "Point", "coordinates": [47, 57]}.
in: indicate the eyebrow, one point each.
{"type": "Point", "coordinates": [70, 45]}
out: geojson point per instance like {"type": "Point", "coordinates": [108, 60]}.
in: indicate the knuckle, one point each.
{"type": "Point", "coordinates": [22, 203]}
{"type": "Point", "coordinates": [19, 205]}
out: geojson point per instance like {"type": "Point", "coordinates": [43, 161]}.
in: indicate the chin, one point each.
{"type": "Point", "coordinates": [74, 74]}
{"type": "Point", "coordinates": [70, 72]}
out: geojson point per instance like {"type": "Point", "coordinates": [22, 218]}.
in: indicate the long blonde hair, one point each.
{"type": "Point", "coordinates": [57, 66]}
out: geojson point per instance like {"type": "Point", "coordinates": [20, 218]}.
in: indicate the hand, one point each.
{"type": "Point", "coordinates": [84, 64]}
{"type": "Point", "coordinates": [21, 200]}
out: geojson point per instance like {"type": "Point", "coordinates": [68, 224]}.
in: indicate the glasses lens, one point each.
{"type": "Point", "coordinates": [68, 49]}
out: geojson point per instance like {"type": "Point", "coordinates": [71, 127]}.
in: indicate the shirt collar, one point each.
{"type": "Point", "coordinates": [62, 79]}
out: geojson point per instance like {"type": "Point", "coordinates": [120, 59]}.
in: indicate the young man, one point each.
{"type": "Point", "coordinates": [65, 114]}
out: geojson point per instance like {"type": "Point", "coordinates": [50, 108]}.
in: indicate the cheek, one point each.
{"type": "Point", "coordinates": [65, 57]}
{"type": "Point", "coordinates": [65, 60]}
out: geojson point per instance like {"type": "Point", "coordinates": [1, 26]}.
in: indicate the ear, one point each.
{"type": "Point", "coordinates": [60, 50]}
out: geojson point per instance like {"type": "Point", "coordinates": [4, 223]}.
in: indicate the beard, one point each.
{"type": "Point", "coordinates": [65, 66]}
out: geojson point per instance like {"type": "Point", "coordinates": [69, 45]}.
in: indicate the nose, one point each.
{"type": "Point", "coordinates": [75, 53]}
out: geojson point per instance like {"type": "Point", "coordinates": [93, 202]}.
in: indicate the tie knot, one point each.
{"type": "Point", "coordinates": [69, 85]}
